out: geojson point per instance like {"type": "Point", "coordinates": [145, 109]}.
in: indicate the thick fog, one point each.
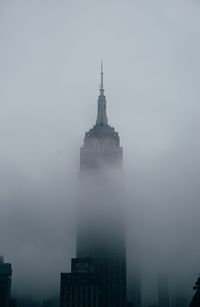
{"type": "Point", "coordinates": [50, 61]}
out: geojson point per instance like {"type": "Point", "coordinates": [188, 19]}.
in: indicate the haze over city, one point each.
{"type": "Point", "coordinates": [50, 72]}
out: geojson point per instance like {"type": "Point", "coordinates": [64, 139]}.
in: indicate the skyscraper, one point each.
{"type": "Point", "coordinates": [101, 227]}
{"type": "Point", "coordinates": [5, 283]}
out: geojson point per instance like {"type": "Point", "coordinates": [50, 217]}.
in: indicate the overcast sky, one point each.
{"type": "Point", "coordinates": [49, 74]}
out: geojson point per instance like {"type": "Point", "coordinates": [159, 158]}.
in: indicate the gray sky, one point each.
{"type": "Point", "coordinates": [49, 73]}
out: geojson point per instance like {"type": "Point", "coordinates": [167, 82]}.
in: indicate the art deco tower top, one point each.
{"type": "Point", "coordinates": [101, 143]}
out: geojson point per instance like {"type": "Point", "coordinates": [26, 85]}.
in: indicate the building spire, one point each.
{"type": "Point", "coordinates": [101, 116]}
{"type": "Point", "coordinates": [101, 85]}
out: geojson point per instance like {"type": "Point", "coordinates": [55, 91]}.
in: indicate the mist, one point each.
{"type": "Point", "coordinates": [50, 61]}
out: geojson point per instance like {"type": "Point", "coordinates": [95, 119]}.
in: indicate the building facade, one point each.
{"type": "Point", "coordinates": [5, 283]}
{"type": "Point", "coordinates": [81, 286]}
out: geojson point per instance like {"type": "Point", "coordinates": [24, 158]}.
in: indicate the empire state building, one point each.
{"type": "Point", "coordinates": [101, 247]}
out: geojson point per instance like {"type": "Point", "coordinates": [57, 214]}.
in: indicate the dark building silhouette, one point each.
{"type": "Point", "coordinates": [5, 283]}
{"type": "Point", "coordinates": [163, 291]}
{"type": "Point", "coordinates": [101, 229]}
{"type": "Point", "coordinates": [81, 286]}
{"type": "Point", "coordinates": [196, 298]}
